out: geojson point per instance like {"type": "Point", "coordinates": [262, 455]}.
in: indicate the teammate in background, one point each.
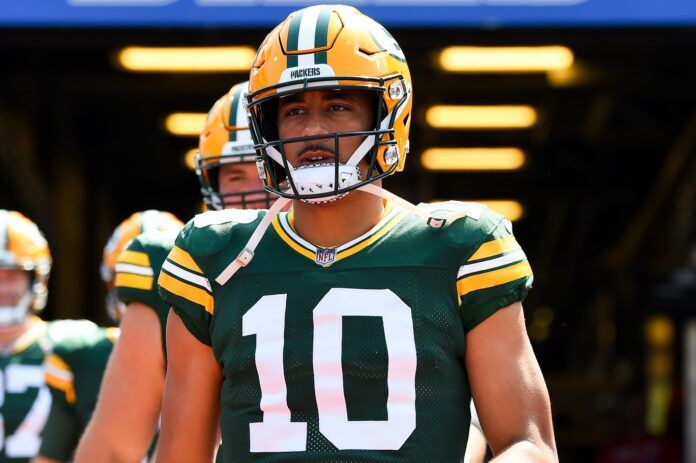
{"type": "Point", "coordinates": [153, 222]}
{"type": "Point", "coordinates": [25, 339]}
{"type": "Point", "coordinates": [75, 368]}
{"type": "Point", "coordinates": [354, 329]}
{"type": "Point", "coordinates": [73, 372]}
{"type": "Point", "coordinates": [124, 424]}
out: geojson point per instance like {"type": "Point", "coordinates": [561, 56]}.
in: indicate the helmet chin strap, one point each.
{"type": "Point", "coordinates": [11, 315]}
{"type": "Point", "coordinates": [247, 253]}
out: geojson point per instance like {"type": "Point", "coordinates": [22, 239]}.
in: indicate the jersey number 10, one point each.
{"type": "Point", "coordinates": [276, 433]}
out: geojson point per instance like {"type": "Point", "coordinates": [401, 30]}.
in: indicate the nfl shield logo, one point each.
{"type": "Point", "coordinates": [325, 257]}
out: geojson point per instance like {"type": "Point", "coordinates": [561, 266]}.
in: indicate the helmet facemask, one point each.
{"type": "Point", "coordinates": [326, 182]}
{"type": "Point", "coordinates": [208, 172]}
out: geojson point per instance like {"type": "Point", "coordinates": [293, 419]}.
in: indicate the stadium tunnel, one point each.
{"type": "Point", "coordinates": [597, 169]}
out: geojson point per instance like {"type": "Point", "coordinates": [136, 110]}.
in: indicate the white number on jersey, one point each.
{"type": "Point", "coordinates": [25, 441]}
{"type": "Point", "coordinates": [276, 433]}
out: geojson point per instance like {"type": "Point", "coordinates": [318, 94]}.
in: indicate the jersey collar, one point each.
{"type": "Point", "coordinates": [283, 225]}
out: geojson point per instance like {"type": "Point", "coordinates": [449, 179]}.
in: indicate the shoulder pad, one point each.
{"type": "Point", "coordinates": [466, 233]}
{"type": "Point", "coordinates": [153, 239]}
{"type": "Point", "coordinates": [211, 231]}
{"type": "Point", "coordinates": [158, 236]}
{"type": "Point", "coordinates": [225, 216]}
{"type": "Point", "coordinates": [61, 330]}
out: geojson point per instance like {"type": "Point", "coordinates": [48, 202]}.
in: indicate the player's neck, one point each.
{"type": "Point", "coordinates": [332, 224]}
{"type": "Point", "coordinates": [10, 334]}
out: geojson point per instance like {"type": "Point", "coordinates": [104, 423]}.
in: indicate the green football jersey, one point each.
{"type": "Point", "coordinates": [73, 372]}
{"type": "Point", "coordinates": [25, 400]}
{"type": "Point", "coordinates": [351, 354]}
{"type": "Point", "coordinates": [137, 270]}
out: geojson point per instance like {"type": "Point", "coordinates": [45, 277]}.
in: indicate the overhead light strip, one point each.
{"type": "Point", "coordinates": [506, 59]}
{"type": "Point", "coordinates": [481, 117]}
{"type": "Point", "coordinates": [186, 59]}
{"type": "Point", "coordinates": [473, 159]}
{"type": "Point", "coordinates": [185, 124]}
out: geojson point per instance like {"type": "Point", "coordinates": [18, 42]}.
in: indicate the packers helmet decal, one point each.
{"type": "Point", "coordinates": [23, 247]}
{"type": "Point", "coordinates": [139, 222]}
{"type": "Point", "coordinates": [226, 139]}
{"type": "Point", "coordinates": [330, 47]}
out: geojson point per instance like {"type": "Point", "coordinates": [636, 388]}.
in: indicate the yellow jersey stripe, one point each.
{"type": "Point", "coordinates": [183, 259]}
{"type": "Point", "coordinates": [135, 258]}
{"type": "Point", "coordinates": [360, 246]}
{"type": "Point", "coordinates": [289, 241]}
{"type": "Point", "coordinates": [493, 278]}
{"type": "Point", "coordinates": [186, 291]}
{"type": "Point", "coordinates": [495, 247]}
{"type": "Point", "coordinates": [56, 362]}
{"type": "Point", "coordinates": [58, 375]}
{"type": "Point", "coordinates": [62, 385]}
{"type": "Point", "coordinates": [128, 280]}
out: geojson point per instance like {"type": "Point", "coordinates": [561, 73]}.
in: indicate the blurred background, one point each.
{"type": "Point", "coordinates": [575, 118]}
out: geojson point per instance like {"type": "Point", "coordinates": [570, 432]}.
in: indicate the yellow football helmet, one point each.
{"type": "Point", "coordinates": [125, 232]}
{"type": "Point", "coordinates": [330, 47]}
{"type": "Point", "coordinates": [226, 139]}
{"type": "Point", "coordinates": [23, 246]}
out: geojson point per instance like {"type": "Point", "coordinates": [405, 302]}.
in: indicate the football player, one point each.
{"type": "Point", "coordinates": [25, 339]}
{"type": "Point", "coordinates": [123, 425]}
{"type": "Point", "coordinates": [355, 327]}
{"type": "Point", "coordinates": [73, 372]}
{"type": "Point", "coordinates": [75, 368]}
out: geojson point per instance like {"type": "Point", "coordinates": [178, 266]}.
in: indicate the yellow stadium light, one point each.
{"type": "Point", "coordinates": [462, 159]}
{"type": "Point", "coordinates": [186, 124]}
{"type": "Point", "coordinates": [190, 158]}
{"type": "Point", "coordinates": [481, 117]}
{"type": "Point", "coordinates": [509, 208]}
{"type": "Point", "coordinates": [659, 330]}
{"type": "Point", "coordinates": [513, 210]}
{"type": "Point", "coordinates": [186, 59]}
{"type": "Point", "coordinates": [505, 59]}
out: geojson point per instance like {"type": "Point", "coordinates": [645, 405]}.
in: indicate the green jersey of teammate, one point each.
{"type": "Point", "coordinates": [25, 398]}
{"type": "Point", "coordinates": [73, 373]}
{"type": "Point", "coordinates": [137, 270]}
{"type": "Point", "coordinates": [346, 354]}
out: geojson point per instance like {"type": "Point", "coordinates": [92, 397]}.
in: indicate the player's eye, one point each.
{"type": "Point", "coordinates": [293, 111]}
{"type": "Point", "coordinates": [338, 107]}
